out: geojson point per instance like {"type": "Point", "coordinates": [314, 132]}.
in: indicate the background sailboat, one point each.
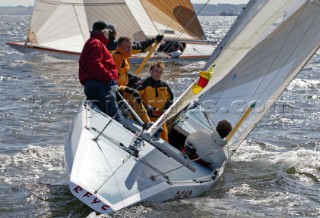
{"type": "Point", "coordinates": [61, 27]}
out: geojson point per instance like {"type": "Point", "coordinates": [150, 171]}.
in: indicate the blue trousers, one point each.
{"type": "Point", "coordinates": [105, 98]}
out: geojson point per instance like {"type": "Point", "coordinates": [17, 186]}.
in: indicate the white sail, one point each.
{"type": "Point", "coordinates": [65, 24]}
{"type": "Point", "coordinates": [249, 11]}
{"type": "Point", "coordinates": [258, 64]}
{"type": "Point", "coordinates": [265, 71]}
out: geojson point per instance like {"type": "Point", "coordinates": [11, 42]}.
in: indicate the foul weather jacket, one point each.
{"type": "Point", "coordinates": [121, 58]}
{"type": "Point", "coordinates": [96, 61]}
{"type": "Point", "coordinates": [156, 94]}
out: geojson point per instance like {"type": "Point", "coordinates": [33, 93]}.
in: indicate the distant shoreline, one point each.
{"type": "Point", "coordinates": [16, 10]}
{"type": "Point", "coordinates": [208, 10]}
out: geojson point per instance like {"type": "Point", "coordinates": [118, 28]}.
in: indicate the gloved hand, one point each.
{"type": "Point", "coordinates": [150, 109]}
{"type": "Point", "coordinates": [114, 85]}
{"type": "Point", "coordinates": [159, 38]}
{"type": "Point", "coordinates": [158, 113]}
{"type": "Point", "coordinates": [134, 81]}
{"type": "Point", "coordinates": [134, 93]}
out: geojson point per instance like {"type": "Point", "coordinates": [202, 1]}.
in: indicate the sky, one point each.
{"type": "Point", "coordinates": [30, 2]}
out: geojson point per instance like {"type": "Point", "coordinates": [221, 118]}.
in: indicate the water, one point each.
{"type": "Point", "coordinates": [275, 173]}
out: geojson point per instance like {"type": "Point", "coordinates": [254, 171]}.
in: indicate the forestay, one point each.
{"type": "Point", "coordinates": [257, 62]}
{"type": "Point", "coordinates": [65, 24]}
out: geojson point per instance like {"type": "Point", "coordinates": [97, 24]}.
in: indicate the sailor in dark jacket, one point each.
{"type": "Point", "coordinates": [98, 72]}
{"type": "Point", "coordinates": [137, 47]}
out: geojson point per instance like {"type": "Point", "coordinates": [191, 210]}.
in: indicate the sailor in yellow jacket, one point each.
{"type": "Point", "coordinates": [156, 95]}
{"type": "Point", "coordinates": [121, 57]}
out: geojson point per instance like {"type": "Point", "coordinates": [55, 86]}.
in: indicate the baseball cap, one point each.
{"type": "Point", "coordinates": [99, 25]}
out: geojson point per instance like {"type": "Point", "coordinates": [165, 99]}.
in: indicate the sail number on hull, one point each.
{"type": "Point", "coordinates": [86, 197]}
{"type": "Point", "coordinates": [183, 194]}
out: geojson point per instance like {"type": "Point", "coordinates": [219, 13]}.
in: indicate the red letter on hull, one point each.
{"type": "Point", "coordinates": [88, 194]}
{"type": "Point", "coordinates": [105, 207]}
{"type": "Point", "coordinates": [77, 189]}
{"type": "Point", "coordinates": [96, 200]}
{"type": "Point", "coordinates": [91, 197]}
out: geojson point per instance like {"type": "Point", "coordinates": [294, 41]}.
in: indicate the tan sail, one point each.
{"type": "Point", "coordinates": [176, 16]}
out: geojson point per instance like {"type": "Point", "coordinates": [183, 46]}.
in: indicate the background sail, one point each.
{"type": "Point", "coordinates": [258, 64]}
{"type": "Point", "coordinates": [55, 24]}
{"type": "Point", "coordinates": [65, 24]}
{"type": "Point", "coordinates": [175, 19]}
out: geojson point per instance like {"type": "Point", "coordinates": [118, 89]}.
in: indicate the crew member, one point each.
{"type": "Point", "coordinates": [98, 72]}
{"type": "Point", "coordinates": [122, 60]}
{"type": "Point", "coordinates": [208, 146]}
{"type": "Point", "coordinates": [137, 47]}
{"type": "Point", "coordinates": [156, 95]}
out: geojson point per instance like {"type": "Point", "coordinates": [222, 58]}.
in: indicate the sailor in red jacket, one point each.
{"type": "Point", "coordinates": [98, 72]}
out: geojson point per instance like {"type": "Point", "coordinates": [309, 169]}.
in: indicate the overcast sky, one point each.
{"type": "Point", "coordinates": [30, 2]}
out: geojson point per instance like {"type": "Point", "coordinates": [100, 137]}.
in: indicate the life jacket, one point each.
{"type": "Point", "coordinates": [121, 58]}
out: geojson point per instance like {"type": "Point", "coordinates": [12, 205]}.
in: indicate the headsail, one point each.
{"type": "Point", "coordinates": [65, 24]}
{"type": "Point", "coordinates": [265, 71]}
{"type": "Point", "coordinates": [250, 10]}
{"type": "Point", "coordinates": [258, 63]}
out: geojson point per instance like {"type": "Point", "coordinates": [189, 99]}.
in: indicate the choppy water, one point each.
{"type": "Point", "coordinates": [276, 173]}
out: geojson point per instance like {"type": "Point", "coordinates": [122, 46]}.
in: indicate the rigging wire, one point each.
{"type": "Point", "coordinates": [106, 159]}
{"type": "Point", "coordinates": [123, 162]}
{"type": "Point", "coordinates": [154, 168]}
{"type": "Point", "coordinates": [184, 27]}
{"type": "Point", "coordinates": [185, 164]}
{"type": "Point", "coordinates": [192, 19]}
{"type": "Point", "coordinates": [113, 173]}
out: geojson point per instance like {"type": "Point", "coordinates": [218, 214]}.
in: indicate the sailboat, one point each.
{"type": "Point", "coordinates": [114, 165]}
{"type": "Point", "coordinates": [59, 28]}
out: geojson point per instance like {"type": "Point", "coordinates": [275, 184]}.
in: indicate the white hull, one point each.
{"type": "Point", "coordinates": [104, 175]}
{"type": "Point", "coordinates": [194, 52]}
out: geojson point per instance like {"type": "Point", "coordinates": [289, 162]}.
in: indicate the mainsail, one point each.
{"type": "Point", "coordinates": [65, 24]}
{"type": "Point", "coordinates": [257, 61]}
